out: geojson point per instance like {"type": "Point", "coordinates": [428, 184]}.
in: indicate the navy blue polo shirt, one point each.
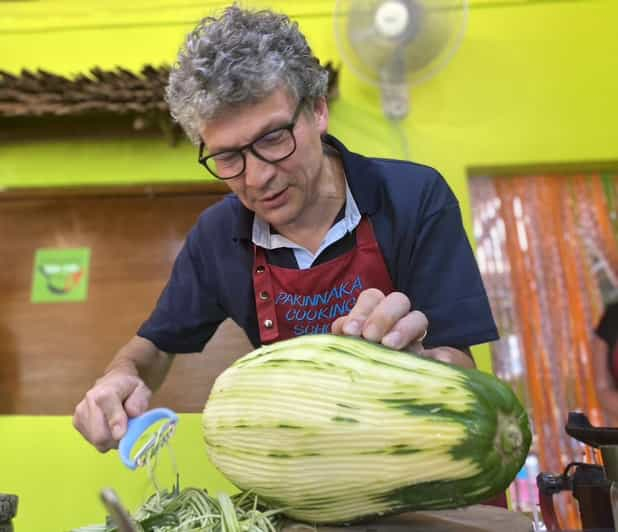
{"type": "Point", "coordinates": [416, 220]}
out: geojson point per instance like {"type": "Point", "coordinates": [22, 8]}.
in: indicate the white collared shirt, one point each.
{"type": "Point", "coordinates": [261, 235]}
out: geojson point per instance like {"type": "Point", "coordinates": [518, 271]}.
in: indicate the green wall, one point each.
{"type": "Point", "coordinates": [58, 476]}
{"type": "Point", "coordinates": [533, 82]}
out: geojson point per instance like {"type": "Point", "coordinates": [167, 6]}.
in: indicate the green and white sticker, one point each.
{"type": "Point", "coordinates": [60, 275]}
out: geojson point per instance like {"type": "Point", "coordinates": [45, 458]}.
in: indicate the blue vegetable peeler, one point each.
{"type": "Point", "coordinates": [138, 426]}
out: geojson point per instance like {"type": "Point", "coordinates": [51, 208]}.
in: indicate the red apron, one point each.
{"type": "Point", "coordinates": [292, 302]}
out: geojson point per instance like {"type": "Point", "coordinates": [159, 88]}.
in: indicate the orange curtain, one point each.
{"type": "Point", "coordinates": [546, 246]}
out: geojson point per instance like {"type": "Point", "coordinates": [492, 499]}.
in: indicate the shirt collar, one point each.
{"type": "Point", "coordinates": [261, 235]}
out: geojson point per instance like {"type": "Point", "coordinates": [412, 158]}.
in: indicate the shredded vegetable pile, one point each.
{"type": "Point", "coordinates": [194, 509]}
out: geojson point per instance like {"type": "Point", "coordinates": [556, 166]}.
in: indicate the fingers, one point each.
{"type": "Point", "coordinates": [354, 323]}
{"type": "Point", "coordinates": [102, 416]}
{"type": "Point", "coordinates": [408, 332]}
{"type": "Point", "coordinates": [385, 319]}
{"type": "Point", "coordinates": [137, 403]}
{"type": "Point", "coordinates": [92, 425]}
{"type": "Point", "coordinates": [389, 321]}
{"type": "Point", "coordinates": [110, 405]}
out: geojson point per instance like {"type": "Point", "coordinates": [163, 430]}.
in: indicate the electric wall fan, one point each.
{"type": "Point", "coordinates": [398, 43]}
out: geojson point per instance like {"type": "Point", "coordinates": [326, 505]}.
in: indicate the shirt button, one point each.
{"type": "Point", "coordinates": [260, 269]}
{"type": "Point", "coordinates": [268, 324]}
{"type": "Point", "coordinates": [264, 296]}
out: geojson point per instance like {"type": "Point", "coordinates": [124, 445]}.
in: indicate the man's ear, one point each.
{"type": "Point", "coordinates": [320, 112]}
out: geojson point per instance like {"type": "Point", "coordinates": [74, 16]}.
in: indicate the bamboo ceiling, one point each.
{"type": "Point", "coordinates": [118, 92]}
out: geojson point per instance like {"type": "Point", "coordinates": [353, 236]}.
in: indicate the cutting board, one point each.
{"type": "Point", "coordinates": [478, 518]}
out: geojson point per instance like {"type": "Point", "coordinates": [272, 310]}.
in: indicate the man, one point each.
{"type": "Point", "coordinates": [606, 363]}
{"type": "Point", "coordinates": [313, 237]}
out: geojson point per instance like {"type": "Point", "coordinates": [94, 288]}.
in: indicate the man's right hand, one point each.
{"type": "Point", "coordinates": [102, 415]}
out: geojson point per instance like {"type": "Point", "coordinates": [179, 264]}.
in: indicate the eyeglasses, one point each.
{"type": "Point", "coordinates": [272, 147]}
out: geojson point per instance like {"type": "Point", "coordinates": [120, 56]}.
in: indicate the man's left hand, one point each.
{"type": "Point", "coordinates": [390, 321]}
{"type": "Point", "coordinates": [384, 319]}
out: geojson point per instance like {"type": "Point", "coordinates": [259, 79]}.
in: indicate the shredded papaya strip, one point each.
{"type": "Point", "coordinates": [193, 509]}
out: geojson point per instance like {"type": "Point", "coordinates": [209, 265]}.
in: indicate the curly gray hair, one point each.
{"type": "Point", "coordinates": [239, 58]}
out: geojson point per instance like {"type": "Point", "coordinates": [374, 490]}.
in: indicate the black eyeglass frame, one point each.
{"type": "Point", "coordinates": [250, 146]}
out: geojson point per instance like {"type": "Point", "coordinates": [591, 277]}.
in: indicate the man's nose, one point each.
{"type": "Point", "coordinates": [257, 172]}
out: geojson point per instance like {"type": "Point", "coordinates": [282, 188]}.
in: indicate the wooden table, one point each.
{"type": "Point", "coordinates": [471, 519]}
